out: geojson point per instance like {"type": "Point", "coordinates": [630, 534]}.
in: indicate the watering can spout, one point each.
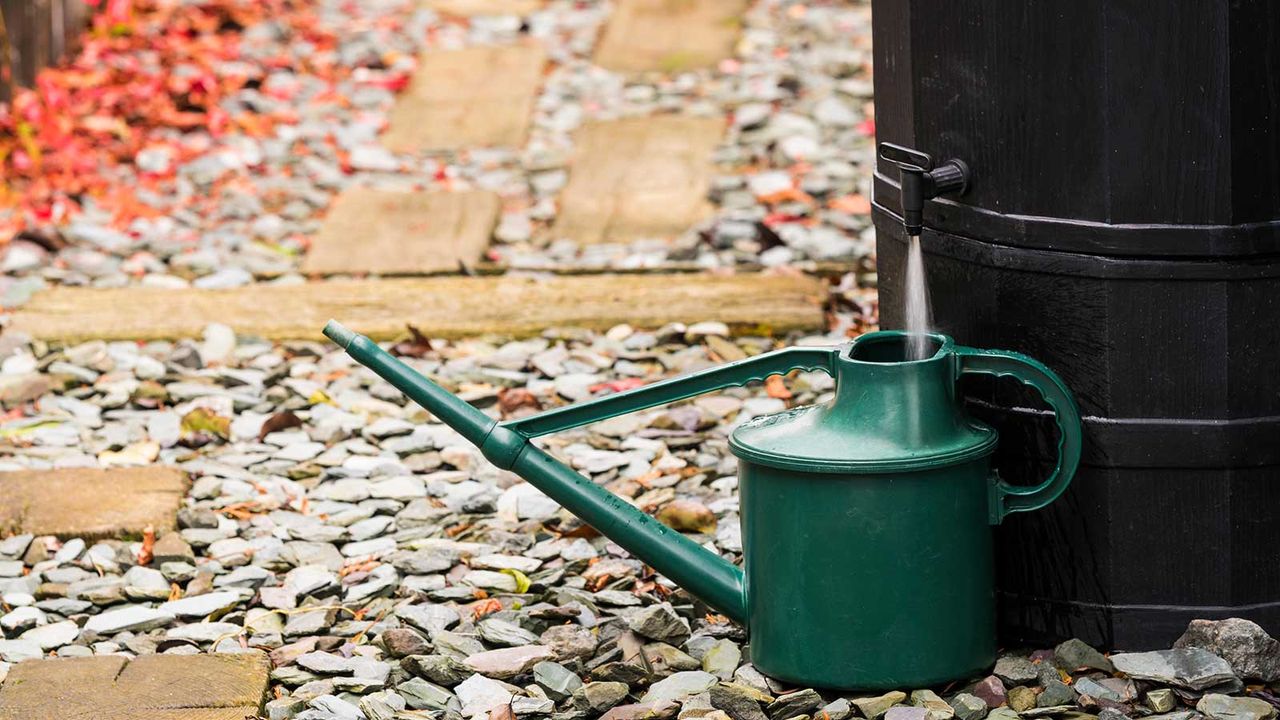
{"type": "Point", "coordinates": [339, 333]}
{"type": "Point", "coordinates": [472, 424]}
{"type": "Point", "coordinates": [708, 576]}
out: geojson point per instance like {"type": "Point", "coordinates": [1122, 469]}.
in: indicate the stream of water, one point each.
{"type": "Point", "coordinates": [919, 317]}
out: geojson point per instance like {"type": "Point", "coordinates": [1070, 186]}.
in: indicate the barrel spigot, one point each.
{"type": "Point", "coordinates": [920, 181]}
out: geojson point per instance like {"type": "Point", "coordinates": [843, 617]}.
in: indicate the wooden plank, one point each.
{"type": "Point", "coordinates": [472, 8]}
{"type": "Point", "coordinates": [151, 687]}
{"type": "Point", "coordinates": [91, 503]}
{"type": "Point", "coordinates": [475, 97]}
{"type": "Point", "coordinates": [638, 178]}
{"type": "Point", "coordinates": [669, 35]}
{"type": "Point", "coordinates": [440, 306]}
{"type": "Point", "coordinates": [403, 233]}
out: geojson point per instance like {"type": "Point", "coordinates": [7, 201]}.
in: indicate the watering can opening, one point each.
{"type": "Point", "coordinates": [889, 346]}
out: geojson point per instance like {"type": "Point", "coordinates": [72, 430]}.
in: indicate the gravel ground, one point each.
{"type": "Point", "coordinates": [390, 572]}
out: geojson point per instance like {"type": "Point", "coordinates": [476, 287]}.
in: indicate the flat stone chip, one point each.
{"type": "Point", "coordinates": [448, 307]}
{"type": "Point", "coordinates": [669, 35]}
{"type": "Point", "coordinates": [152, 687]}
{"type": "Point", "coordinates": [476, 97]}
{"type": "Point", "coordinates": [91, 503]}
{"type": "Point", "coordinates": [391, 232]}
{"type": "Point", "coordinates": [471, 8]}
{"type": "Point", "coordinates": [638, 178]}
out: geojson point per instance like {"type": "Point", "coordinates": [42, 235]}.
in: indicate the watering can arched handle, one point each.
{"type": "Point", "coordinates": [1006, 498]}
{"type": "Point", "coordinates": [753, 369]}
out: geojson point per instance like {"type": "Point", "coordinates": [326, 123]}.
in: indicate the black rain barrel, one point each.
{"type": "Point", "coordinates": [1122, 226]}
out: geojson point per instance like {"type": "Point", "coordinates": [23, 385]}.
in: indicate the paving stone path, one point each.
{"type": "Point", "coordinates": [789, 187]}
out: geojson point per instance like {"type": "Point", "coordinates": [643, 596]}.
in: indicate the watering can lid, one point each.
{"type": "Point", "coordinates": [805, 439]}
{"type": "Point", "coordinates": [871, 425]}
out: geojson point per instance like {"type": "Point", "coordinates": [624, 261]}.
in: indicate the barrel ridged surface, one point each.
{"type": "Point", "coordinates": [1124, 228]}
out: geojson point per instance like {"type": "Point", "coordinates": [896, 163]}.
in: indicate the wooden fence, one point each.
{"type": "Point", "coordinates": [35, 34]}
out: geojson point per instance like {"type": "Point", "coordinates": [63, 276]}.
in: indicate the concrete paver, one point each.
{"type": "Point", "coordinates": [638, 178]}
{"type": "Point", "coordinates": [403, 233]}
{"type": "Point", "coordinates": [669, 35]}
{"type": "Point", "coordinates": [91, 503]}
{"type": "Point", "coordinates": [475, 97]}
{"type": "Point", "coordinates": [152, 687]}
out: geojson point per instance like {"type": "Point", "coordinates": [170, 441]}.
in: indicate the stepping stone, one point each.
{"type": "Point", "coordinates": [638, 178]}
{"type": "Point", "coordinates": [91, 503]}
{"type": "Point", "coordinates": [152, 687]}
{"type": "Point", "coordinates": [471, 8]}
{"type": "Point", "coordinates": [669, 35]}
{"type": "Point", "coordinates": [476, 97]}
{"type": "Point", "coordinates": [440, 306]}
{"type": "Point", "coordinates": [391, 232]}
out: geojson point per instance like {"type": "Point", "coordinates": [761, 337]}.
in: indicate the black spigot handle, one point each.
{"type": "Point", "coordinates": [919, 181]}
{"type": "Point", "coordinates": [906, 158]}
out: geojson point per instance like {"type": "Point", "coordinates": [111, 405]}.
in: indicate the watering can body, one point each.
{"type": "Point", "coordinates": [865, 519]}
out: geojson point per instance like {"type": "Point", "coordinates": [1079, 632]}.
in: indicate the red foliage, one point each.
{"type": "Point", "coordinates": [147, 71]}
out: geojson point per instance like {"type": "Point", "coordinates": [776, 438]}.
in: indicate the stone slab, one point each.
{"type": "Point", "coordinates": [390, 232]}
{"type": "Point", "coordinates": [475, 97]}
{"type": "Point", "coordinates": [91, 503]}
{"type": "Point", "coordinates": [439, 306]}
{"type": "Point", "coordinates": [152, 687]}
{"type": "Point", "coordinates": [472, 8]}
{"type": "Point", "coordinates": [669, 35]}
{"type": "Point", "coordinates": [638, 178]}
{"type": "Point", "coordinates": [231, 680]}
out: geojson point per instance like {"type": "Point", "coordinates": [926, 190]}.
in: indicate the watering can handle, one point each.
{"type": "Point", "coordinates": [1006, 498]}
{"type": "Point", "coordinates": [757, 368]}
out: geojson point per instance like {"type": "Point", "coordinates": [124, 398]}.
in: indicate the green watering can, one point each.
{"type": "Point", "coordinates": [865, 520]}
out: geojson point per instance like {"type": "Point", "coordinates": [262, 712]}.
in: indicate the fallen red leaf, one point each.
{"type": "Point", "coordinates": [617, 385]}
{"type": "Point", "coordinates": [776, 388]}
{"type": "Point", "coordinates": [851, 204]}
{"type": "Point", "coordinates": [146, 552]}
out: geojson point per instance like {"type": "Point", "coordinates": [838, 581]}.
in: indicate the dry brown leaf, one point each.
{"type": "Point", "coordinates": [280, 421]}
{"type": "Point", "coordinates": [418, 345]}
{"type": "Point", "coordinates": [687, 515]}
{"type": "Point", "coordinates": [512, 399]}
